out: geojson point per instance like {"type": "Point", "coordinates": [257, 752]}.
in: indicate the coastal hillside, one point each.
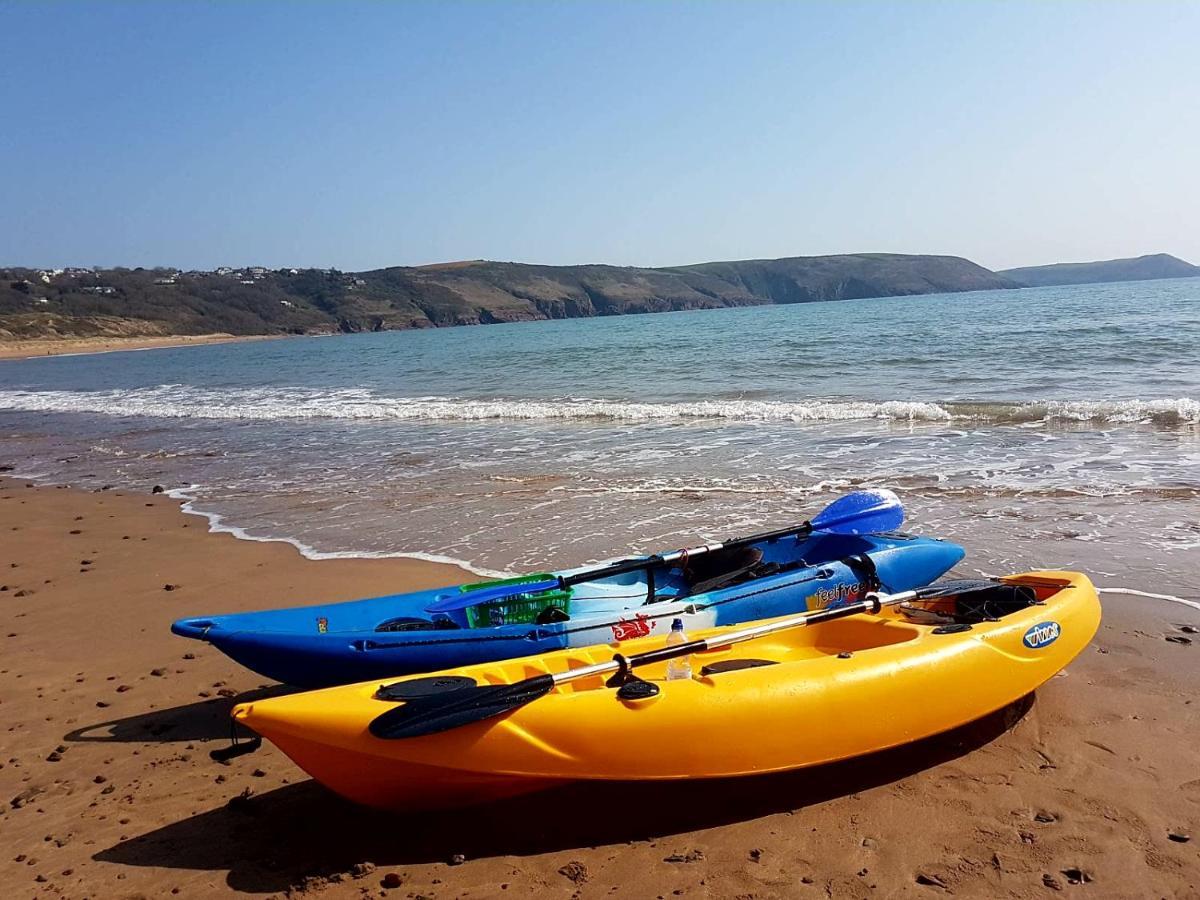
{"type": "Point", "coordinates": [1138, 268]}
{"type": "Point", "coordinates": [134, 302]}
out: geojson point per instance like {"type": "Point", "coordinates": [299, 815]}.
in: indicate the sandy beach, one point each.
{"type": "Point", "coordinates": [108, 789]}
{"type": "Point", "coordinates": [27, 349]}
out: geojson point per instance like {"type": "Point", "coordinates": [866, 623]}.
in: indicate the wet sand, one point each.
{"type": "Point", "coordinates": [107, 789]}
{"type": "Point", "coordinates": [20, 349]}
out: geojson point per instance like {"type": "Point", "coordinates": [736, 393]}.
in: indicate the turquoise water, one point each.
{"type": "Point", "coordinates": [1034, 421]}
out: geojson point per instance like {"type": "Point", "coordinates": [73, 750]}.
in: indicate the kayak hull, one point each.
{"type": "Point", "coordinates": [829, 692]}
{"type": "Point", "coordinates": [331, 644]}
{"type": "Point", "coordinates": [372, 780]}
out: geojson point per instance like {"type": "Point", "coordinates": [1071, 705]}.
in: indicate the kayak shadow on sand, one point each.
{"type": "Point", "coordinates": [201, 721]}
{"type": "Point", "coordinates": [271, 842]}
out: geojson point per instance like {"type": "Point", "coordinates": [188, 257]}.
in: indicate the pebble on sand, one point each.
{"type": "Point", "coordinates": [574, 871]}
{"type": "Point", "coordinates": [1077, 876]}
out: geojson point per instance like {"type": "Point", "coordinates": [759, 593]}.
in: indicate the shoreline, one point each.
{"type": "Point", "coordinates": [217, 525]}
{"type": "Point", "coordinates": [37, 348]}
{"type": "Point", "coordinates": [108, 789]}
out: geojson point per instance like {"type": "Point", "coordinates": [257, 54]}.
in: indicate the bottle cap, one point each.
{"type": "Point", "coordinates": [677, 625]}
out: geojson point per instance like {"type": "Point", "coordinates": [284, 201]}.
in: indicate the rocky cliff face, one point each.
{"type": "Point", "coordinates": [468, 293]}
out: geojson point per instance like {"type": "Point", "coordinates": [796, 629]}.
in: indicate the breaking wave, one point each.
{"type": "Point", "coordinates": [180, 401]}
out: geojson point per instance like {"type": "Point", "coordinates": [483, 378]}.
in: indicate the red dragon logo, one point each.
{"type": "Point", "coordinates": [638, 626]}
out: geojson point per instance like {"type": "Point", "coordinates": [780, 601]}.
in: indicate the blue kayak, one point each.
{"type": "Point", "coordinates": [401, 634]}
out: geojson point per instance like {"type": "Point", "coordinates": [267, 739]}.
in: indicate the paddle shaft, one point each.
{"type": "Point", "coordinates": [424, 715]}
{"type": "Point", "coordinates": [860, 512]}
{"type": "Point", "coordinates": [874, 603]}
{"type": "Point", "coordinates": [635, 565]}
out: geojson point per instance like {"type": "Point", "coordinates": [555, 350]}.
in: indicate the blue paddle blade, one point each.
{"type": "Point", "coordinates": [483, 595]}
{"type": "Point", "coordinates": [863, 512]}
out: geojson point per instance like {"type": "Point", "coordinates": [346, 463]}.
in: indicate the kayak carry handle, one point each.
{"type": "Point", "coordinates": [236, 747]}
{"type": "Point", "coordinates": [192, 628]}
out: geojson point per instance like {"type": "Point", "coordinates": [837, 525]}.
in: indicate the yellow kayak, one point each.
{"type": "Point", "coordinates": [790, 699]}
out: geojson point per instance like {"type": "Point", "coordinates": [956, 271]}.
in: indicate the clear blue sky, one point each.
{"type": "Point", "coordinates": [654, 133]}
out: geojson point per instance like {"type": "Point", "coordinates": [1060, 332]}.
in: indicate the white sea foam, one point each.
{"type": "Point", "coordinates": [1169, 597]}
{"type": "Point", "coordinates": [181, 401]}
{"type": "Point", "coordinates": [218, 525]}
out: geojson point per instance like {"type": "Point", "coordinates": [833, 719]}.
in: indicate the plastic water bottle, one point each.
{"type": "Point", "coordinates": [680, 667]}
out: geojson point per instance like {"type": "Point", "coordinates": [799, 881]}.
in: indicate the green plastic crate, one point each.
{"type": "Point", "coordinates": [519, 609]}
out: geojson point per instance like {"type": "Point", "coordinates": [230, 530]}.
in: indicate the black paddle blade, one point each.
{"type": "Point", "coordinates": [441, 712]}
{"type": "Point", "coordinates": [955, 588]}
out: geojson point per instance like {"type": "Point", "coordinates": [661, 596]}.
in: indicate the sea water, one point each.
{"type": "Point", "coordinates": [1040, 427]}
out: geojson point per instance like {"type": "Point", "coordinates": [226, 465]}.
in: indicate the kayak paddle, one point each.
{"type": "Point", "coordinates": [862, 512]}
{"type": "Point", "coordinates": [428, 709]}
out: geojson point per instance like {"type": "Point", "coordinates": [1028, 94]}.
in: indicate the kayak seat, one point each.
{"type": "Point", "coordinates": [733, 665]}
{"type": "Point", "coordinates": [971, 609]}
{"type": "Point", "coordinates": [990, 605]}
{"type": "Point", "coordinates": [721, 568]}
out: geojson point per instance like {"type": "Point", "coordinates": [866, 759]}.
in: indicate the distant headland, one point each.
{"type": "Point", "coordinates": [47, 304]}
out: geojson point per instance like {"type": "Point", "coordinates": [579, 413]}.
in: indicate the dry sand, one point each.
{"type": "Point", "coordinates": [26, 349]}
{"type": "Point", "coordinates": [107, 789]}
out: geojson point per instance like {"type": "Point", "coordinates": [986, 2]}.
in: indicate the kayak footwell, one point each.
{"type": "Point", "coordinates": [390, 785]}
